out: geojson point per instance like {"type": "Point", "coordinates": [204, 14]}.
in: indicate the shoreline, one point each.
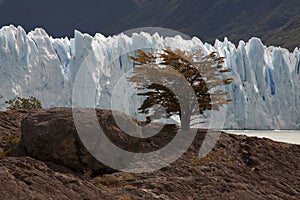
{"type": "Point", "coordinates": [285, 136]}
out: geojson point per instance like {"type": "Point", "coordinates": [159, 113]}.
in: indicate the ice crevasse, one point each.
{"type": "Point", "coordinates": [265, 92]}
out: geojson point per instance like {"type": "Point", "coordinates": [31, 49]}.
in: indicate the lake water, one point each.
{"type": "Point", "coordinates": [288, 136]}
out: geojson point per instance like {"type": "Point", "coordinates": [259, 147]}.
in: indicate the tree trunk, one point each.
{"type": "Point", "coordinates": [185, 119]}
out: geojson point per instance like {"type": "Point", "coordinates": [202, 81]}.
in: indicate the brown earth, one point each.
{"type": "Point", "coordinates": [27, 178]}
{"type": "Point", "coordinates": [238, 167]}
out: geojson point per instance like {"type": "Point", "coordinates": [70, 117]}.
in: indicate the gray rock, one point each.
{"type": "Point", "coordinates": [51, 136]}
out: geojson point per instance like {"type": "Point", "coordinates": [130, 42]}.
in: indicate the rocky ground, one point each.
{"type": "Point", "coordinates": [43, 158]}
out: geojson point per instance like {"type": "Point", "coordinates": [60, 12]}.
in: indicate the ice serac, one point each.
{"type": "Point", "coordinates": [265, 92]}
{"type": "Point", "coordinates": [33, 64]}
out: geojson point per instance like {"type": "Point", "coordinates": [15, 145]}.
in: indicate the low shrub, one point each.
{"type": "Point", "coordinates": [20, 103]}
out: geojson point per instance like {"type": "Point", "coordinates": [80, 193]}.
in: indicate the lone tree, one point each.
{"type": "Point", "coordinates": [179, 83]}
{"type": "Point", "coordinates": [20, 103]}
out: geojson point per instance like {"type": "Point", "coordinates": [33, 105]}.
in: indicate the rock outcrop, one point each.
{"type": "Point", "coordinates": [238, 167]}
{"type": "Point", "coordinates": [27, 178]}
{"type": "Point", "coordinates": [51, 136]}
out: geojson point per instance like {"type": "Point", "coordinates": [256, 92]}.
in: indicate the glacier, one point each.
{"type": "Point", "coordinates": [265, 91]}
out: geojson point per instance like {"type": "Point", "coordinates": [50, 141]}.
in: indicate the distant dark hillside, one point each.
{"type": "Point", "coordinates": [277, 22]}
{"type": "Point", "coordinates": [61, 17]}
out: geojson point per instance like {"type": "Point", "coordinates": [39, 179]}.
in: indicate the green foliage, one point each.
{"type": "Point", "coordinates": [20, 103]}
{"type": "Point", "coordinates": [190, 75]}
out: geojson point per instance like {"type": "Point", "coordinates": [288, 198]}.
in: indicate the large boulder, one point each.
{"type": "Point", "coordinates": [50, 135]}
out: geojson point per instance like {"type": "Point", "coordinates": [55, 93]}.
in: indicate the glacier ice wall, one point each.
{"type": "Point", "coordinates": [265, 92]}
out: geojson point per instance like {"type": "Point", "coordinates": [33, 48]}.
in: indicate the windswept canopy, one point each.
{"type": "Point", "coordinates": [178, 81]}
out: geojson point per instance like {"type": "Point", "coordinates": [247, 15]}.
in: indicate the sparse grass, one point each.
{"type": "Point", "coordinates": [110, 182]}
{"type": "Point", "coordinates": [106, 181]}
{"type": "Point", "coordinates": [212, 157]}
{"type": "Point", "coordinates": [4, 154]}
{"type": "Point", "coordinates": [128, 176]}
{"type": "Point", "coordinates": [11, 139]}
{"type": "Point", "coordinates": [7, 141]}
{"type": "Point", "coordinates": [126, 197]}
{"type": "Point", "coordinates": [87, 174]}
